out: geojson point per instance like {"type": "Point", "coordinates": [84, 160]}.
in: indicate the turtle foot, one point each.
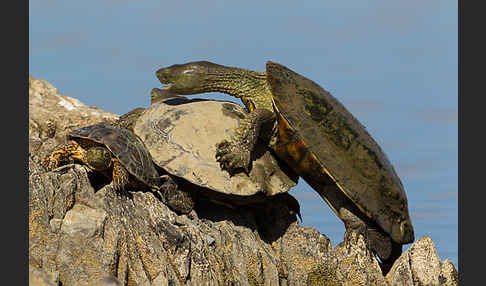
{"type": "Point", "coordinates": [120, 176]}
{"type": "Point", "coordinates": [379, 242]}
{"type": "Point", "coordinates": [376, 239]}
{"type": "Point", "coordinates": [63, 153]}
{"type": "Point", "coordinates": [176, 199]}
{"type": "Point", "coordinates": [232, 156]}
{"type": "Point", "coordinates": [395, 252]}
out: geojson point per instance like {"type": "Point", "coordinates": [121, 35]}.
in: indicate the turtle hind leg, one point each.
{"type": "Point", "coordinates": [396, 251]}
{"type": "Point", "coordinates": [236, 154]}
{"type": "Point", "coordinates": [385, 248]}
{"type": "Point", "coordinates": [65, 151]}
{"type": "Point", "coordinates": [120, 176]}
{"type": "Point", "coordinates": [180, 200]}
{"type": "Point", "coordinates": [379, 242]}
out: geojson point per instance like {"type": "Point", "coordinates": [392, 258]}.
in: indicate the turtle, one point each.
{"type": "Point", "coordinates": [118, 153]}
{"type": "Point", "coordinates": [317, 137]}
{"type": "Point", "coordinates": [108, 149]}
{"type": "Point", "coordinates": [180, 132]}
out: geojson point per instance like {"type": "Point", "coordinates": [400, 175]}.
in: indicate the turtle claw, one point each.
{"type": "Point", "coordinates": [231, 157]}
{"type": "Point", "coordinates": [165, 178]}
{"type": "Point", "coordinates": [51, 165]}
{"type": "Point", "coordinates": [222, 148]}
{"type": "Point", "coordinates": [118, 185]}
{"type": "Point", "coordinates": [63, 168]}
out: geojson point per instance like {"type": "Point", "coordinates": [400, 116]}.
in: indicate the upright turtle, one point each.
{"type": "Point", "coordinates": [314, 133]}
{"type": "Point", "coordinates": [118, 153]}
{"type": "Point", "coordinates": [105, 148]}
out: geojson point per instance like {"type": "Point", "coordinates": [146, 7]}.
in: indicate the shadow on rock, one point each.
{"type": "Point", "coordinates": [269, 216]}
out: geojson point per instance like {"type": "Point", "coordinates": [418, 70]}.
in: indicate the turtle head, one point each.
{"type": "Point", "coordinates": [98, 158]}
{"type": "Point", "coordinates": [189, 78]}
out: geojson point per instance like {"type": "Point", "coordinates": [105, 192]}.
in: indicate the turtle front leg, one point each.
{"type": "Point", "coordinates": [120, 175]}
{"type": "Point", "coordinates": [236, 154]}
{"type": "Point", "coordinates": [65, 151]}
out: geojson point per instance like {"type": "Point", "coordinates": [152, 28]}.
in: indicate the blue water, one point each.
{"type": "Point", "coordinates": [432, 215]}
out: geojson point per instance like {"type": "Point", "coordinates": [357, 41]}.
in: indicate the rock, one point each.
{"type": "Point", "coordinates": [420, 265]}
{"type": "Point", "coordinates": [52, 116]}
{"type": "Point", "coordinates": [448, 274]}
{"type": "Point", "coordinates": [37, 277]}
{"type": "Point", "coordinates": [82, 232]}
{"type": "Point", "coordinates": [109, 281]}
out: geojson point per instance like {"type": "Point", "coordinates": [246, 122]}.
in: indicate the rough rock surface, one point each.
{"type": "Point", "coordinates": [52, 116]}
{"type": "Point", "coordinates": [83, 233]}
{"type": "Point", "coordinates": [420, 265]}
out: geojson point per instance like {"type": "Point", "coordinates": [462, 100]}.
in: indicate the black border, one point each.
{"type": "Point", "coordinates": [15, 148]}
{"type": "Point", "coordinates": [471, 145]}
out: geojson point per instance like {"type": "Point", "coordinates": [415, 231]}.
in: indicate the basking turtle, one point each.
{"type": "Point", "coordinates": [314, 133]}
{"type": "Point", "coordinates": [180, 133]}
{"type": "Point", "coordinates": [105, 148]}
{"type": "Point", "coordinates": [119, 154]}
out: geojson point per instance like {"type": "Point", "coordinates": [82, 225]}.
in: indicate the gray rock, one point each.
{"type": "Point", "coordinates": [448, 274]}
{"type": "Point", "coordinates": [82, 232]}
{"type": "Point", "coordinates": [109, 281]}
{"type": "Point", "coordinates": [420, 265]}
{"type": "Point", "coordinates": [52, 116]}
{"type": "Point", "coordinates": [38, 277]}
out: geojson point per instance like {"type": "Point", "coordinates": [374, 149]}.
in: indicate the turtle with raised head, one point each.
{"type": "Point", "coordinates": [317, 136]}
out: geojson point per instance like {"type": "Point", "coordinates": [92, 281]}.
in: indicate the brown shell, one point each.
{"type": "Point", "coordinates": [124, 145]}
{"type": "Point", "coordinates": [327, 145]}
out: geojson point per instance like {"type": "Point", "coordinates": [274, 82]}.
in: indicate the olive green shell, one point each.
{"type": "Point", "coordinates": [125, 146]}
{"type": "Point", "coordinates": [327, 144]}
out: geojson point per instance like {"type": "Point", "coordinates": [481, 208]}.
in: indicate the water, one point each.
{"type": "Point", "coordinates": [435, 217]}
